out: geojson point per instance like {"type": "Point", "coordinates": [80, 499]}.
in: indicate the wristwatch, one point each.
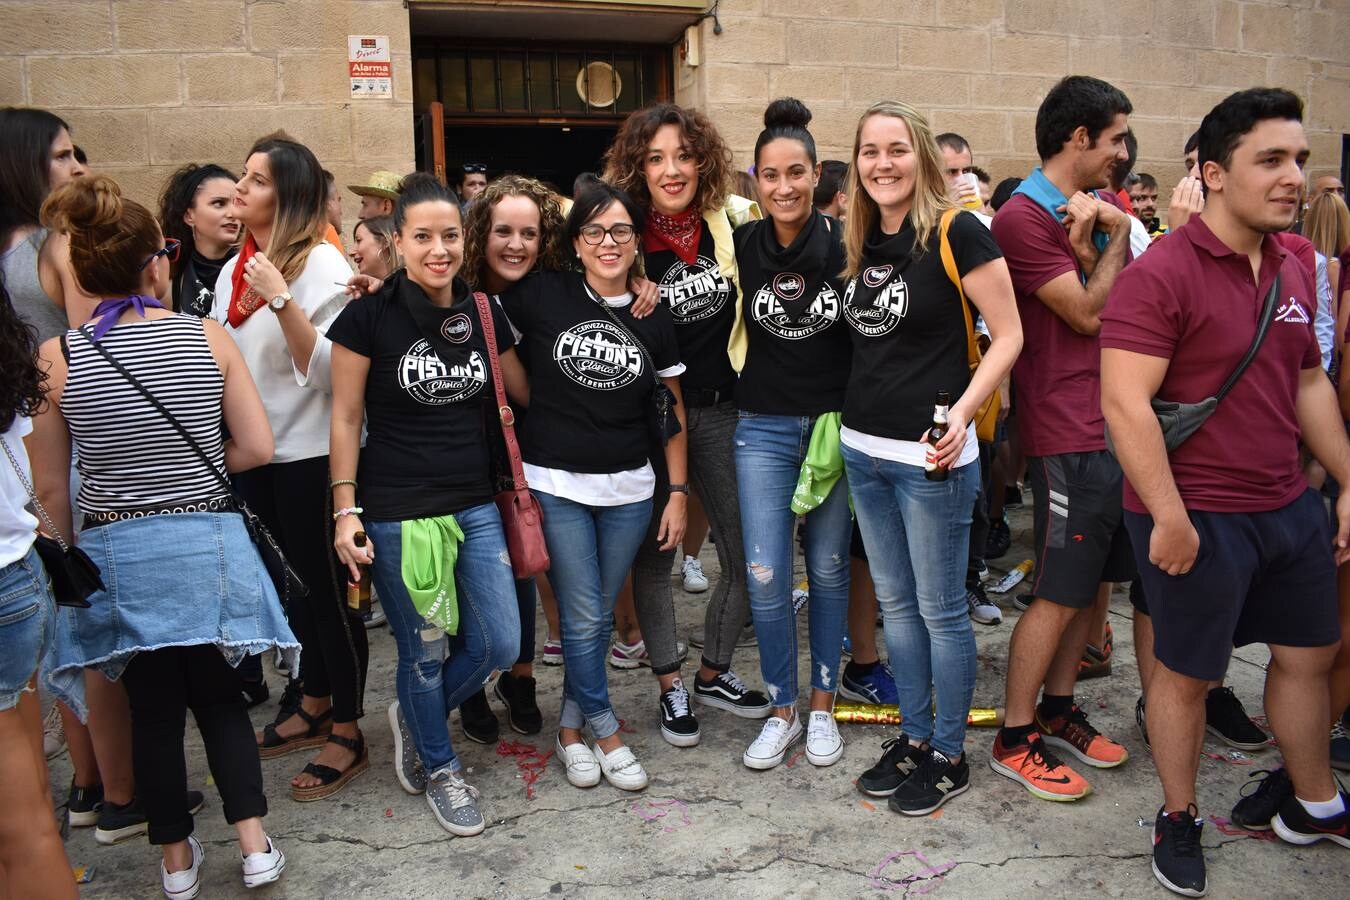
{"type": "Point", "coordinates": [679, 489]}
{"type": "Point", "coordinates": [280, 300]}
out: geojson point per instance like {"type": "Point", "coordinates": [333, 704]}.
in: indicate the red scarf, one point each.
{"type": "Point", "coordinates": [244, 300]}
{"type": "Point", "coordinates": [679, 233]}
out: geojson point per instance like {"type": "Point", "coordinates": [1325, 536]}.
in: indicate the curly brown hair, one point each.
{"type": "Point", "coordinates": [478, 224]}
{"type": "Point", "coordinates": [624, 159]}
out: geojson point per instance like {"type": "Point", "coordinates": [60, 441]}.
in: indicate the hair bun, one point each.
{"type": "Point", "coordinates": [423, 179]}
{"type": "Point", "coordinates": [86, 203]}
{"type": "Point", "coordinates": [787, 111]}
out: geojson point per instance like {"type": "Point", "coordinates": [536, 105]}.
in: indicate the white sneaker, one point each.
{"type": "Point", "coordinates": [583, 769]}
{"type": "Point", "coordinates": [264, 867]}
{"type": "Point", "coordinates": [695, 582]}
{"type": "Point", "coordinates": [768, 750]}
{"type": "Point", "coordinates": [186, 884]}
{"type": "Point", "coordinates": [53, 733]}
{"type": "Point", "coordinates": [824, 746]}
{"type": "Point", "coordinates": [622, 769]}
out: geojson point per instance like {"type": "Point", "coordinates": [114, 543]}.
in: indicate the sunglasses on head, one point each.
{"type": "Point", "coordinates": [170, 249]}
{"type": "Point", "coordinates": [474, 169]}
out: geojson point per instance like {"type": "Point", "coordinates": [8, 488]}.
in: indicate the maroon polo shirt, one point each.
{"type": "Point", "coordinates": [1191, 300]}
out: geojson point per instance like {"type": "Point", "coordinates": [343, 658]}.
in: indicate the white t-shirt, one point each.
{"type": "Point", "coordinates": [17, 524]}
{"type": "Point", "coordinates": [911, 453]}
{"type": "Point", "coordinates": [298, 405]}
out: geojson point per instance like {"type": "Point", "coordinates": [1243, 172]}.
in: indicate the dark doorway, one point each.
{"type": "Point", "coordinates": [556, 154]}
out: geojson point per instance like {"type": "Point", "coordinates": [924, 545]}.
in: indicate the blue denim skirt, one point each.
{"type": "Point", "coordinates": [26, 614]}
{"type": "Point", "coordinates": [171, 581]}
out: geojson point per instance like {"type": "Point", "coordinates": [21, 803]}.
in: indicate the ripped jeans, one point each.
{"type": "Point", "coordinates": [428, 683]}
{"type": "Point", "coordinates": [769, 454]}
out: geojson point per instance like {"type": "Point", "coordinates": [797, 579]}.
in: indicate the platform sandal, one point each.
{"type": "Point", "coordinates": [331, 780]}
{"type": "Point", "coordinates": [315, 735]}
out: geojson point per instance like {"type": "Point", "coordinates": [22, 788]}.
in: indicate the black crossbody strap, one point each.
{"type": "Point", "coordinates": [1262, 329]}
{"type": "Point", "coordinates": [618, 323]}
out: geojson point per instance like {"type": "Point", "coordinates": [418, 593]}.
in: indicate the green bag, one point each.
{"type": "Point", "coordinates": [430, 548]}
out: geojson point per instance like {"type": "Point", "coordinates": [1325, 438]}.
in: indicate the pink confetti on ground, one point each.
{"type": "Point", "coordinates": [1239, 760]}
{"type": "Point", "coordinates": [795, 758]}
{"type": "Point", "coordinates": [529, 760]}
{"type": "Point", "coordinates": [656, 810]}
{"type": "Point", "coordinates": [1226, 826]}
{"type": "Point", "coordinates": [924, 881]}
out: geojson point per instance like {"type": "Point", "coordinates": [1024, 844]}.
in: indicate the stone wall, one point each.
{"type": "Point", "coordinates": [981, 67]}
{"type": "Point", "coordinates": [148, 85]}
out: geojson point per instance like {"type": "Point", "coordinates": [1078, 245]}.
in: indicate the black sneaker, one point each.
{"type": "Point", "coordinates": [479, 721]}
{"type": "Point", "coordinates": [678, 725]}
{"type": "Point", "coordinates": [1228, 721]}
{"type": "Point", "coordinates": [117, 823]}
{"type": "Point", "coordinates": [1178, 860]}
{"type": "Point", "coordinates": [83, 805]}
{"type": "Point", "coordinates": [1141, 722]}
{"type": "Point", "coordinates": [1295, 825]}
{"type": "Point", "coordinates": [999, 540]}
{"type": "Point", "coordinates": [1262, 797]}
{"type": "Point", "coordinates": [936, 781]}
{"type": "Point", "coordinates": [255, 692]}
{"type": "Point", "coordinates": [522, 711]}
{"type": "Point", "coordinates": [728, 692]}
{"type": "Point", "coordinates": [1012, 495]}
{"type": "Point", "coordinates": [1023, 601]}
{"type": "Point", "coordinates": [899, 760]}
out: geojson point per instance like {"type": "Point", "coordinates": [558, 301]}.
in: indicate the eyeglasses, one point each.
{"type": "Point", "coordinates": [595, 234]}
{"type": "Point", "coordinates": [474, 169]}
{"type": "Point", "coordinates": [170, 249]}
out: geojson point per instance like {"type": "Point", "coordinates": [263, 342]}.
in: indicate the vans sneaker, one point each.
{"type": "Point", "coordinates": [678, 725]}
{"type": "Point", "coordinates": [728, 692]}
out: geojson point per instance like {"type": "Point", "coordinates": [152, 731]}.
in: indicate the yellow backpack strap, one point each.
{"type": "Point", "coordinates": [949, 263]}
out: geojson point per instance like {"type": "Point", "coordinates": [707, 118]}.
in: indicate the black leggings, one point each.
{"type": "Point", "coordinates": [294, 502]}
{"type": "Point", "coordinates": [162, 686]}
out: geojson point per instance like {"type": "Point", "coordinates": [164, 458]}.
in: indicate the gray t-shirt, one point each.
{"type": "Point", "coordinates": [20, 267]}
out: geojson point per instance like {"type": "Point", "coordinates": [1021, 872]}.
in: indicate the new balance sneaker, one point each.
{"type": "Point", "coordinates": [695, 582]}
{"type": "Point", "coordinates": [1037, 769]}
{"type": "Point", "coordinates": [479, 721]}
{"type": "Point", "coordinates": [999, 540]}
{"type": "Point", "coordinates": [1141, 722]}
{"type": "Point", "coordinates": [899, 760]}
{"type": "Point", "coordinates": [1228, 721]}
{"type": "Point", "coordinates": [622, 769]}
{"type": "Point", "coordinates": [517, 693]}
{"type": "Point", "coordinates": [1295, 825]}
{"type": "Point", "coordinates": [769, 749]}
{"type": "Point", "coordinates": [53, 733]}
{"type": "Point", "coordinates": [83, 805]}
{"type": "Point", "coordinates": [1261, 798]}
{"type": "Point", "coordinates": [407, 766]}
{"type": "Point", "coordinates": [263, 867]}
{"type": "Point", "coordinates": [1178, 860]}
{"type": "Point", "coordinates": [981, 609]}
{"type": "Point", "coordinates": [552, 655]}
{"type": "Point", "coordinates": [876, 688]}
{"type": "Point", "coordinates": [1340, 747]}
{"type": "Point", "coordinates": [824, 746]}
{"type": "Point", "coordinates": [1074, 734]}
{"type": "Point", "coordinates": [186, 884]}
{"type": "Point", "coordinates": [678, 725]}
{"type": "Point", "coordinates": [728, 692]}
{"type": "Point", "coordinates": [936, 781]}
{"type": "Point", "coordinates": [454, 803]}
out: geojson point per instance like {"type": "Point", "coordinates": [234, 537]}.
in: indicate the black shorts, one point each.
{"type": "Point", "coordinates": [1265, 577]}
{"type": "Point", "coordinates": [1080, 540]}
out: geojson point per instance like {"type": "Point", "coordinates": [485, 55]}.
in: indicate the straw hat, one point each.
{"type": "Point", "coordinates": [379, 184]}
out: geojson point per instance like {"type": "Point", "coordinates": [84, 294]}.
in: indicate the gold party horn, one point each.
{"type": "Point", "coordinates": [889, 714]}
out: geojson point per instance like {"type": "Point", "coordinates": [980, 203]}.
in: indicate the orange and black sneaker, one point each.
{"type": "Point", "coordinates": [1096, 662]}
{"type": "Point", "coordinates": [1033, 766]}
{"type": "Point", "coordinates": [1074, 734]}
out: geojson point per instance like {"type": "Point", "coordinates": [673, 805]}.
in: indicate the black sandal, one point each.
{"type": "Point", "coordinates": [331, 780]}
{"type": "Point", "coordinates": [274, 745]}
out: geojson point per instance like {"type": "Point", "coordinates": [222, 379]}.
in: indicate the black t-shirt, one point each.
{"type": "Point", "coordinates": [909, 336]}
{"type": "Point", "coordinates": [702, 304]}
{"type": "Point", "coordinates": [426, 453]}
{"type": "Point", "coordinates": [590, 385]}
{"type": "Point", "coordinates": [196, 286]}
{"type": "Point", "coordinates": [797, 360]}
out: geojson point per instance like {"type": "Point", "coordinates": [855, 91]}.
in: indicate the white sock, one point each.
{"type": "Point", "coordinates": [1323, 809]}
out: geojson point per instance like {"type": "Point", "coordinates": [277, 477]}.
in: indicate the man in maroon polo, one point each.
{"type": "Point", "coordinates": [1233, 546]}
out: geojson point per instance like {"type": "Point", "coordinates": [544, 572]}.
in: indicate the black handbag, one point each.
{"type": "Point", "coordinates": [287, 582]}
{"type": "Point", "coordinates": [662, 422]}
{"type": "Point", "coordinates": [72, 573]}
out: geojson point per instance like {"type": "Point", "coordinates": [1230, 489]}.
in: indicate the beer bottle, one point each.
{"type": "Point", "coordinates": [358, 592]}
{"type": "Point", "coordinates": [931, 470]}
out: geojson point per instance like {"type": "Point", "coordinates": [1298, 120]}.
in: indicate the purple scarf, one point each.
{"type": "Point", "coordinates": [109, 311]}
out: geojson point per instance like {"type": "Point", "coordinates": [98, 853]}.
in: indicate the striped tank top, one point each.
{"type": "Point", "coordinates": [129, 457]}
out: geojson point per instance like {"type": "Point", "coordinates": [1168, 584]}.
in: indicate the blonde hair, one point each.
{"type": "Point", "coordinates": [382, 229]}
{"type": "Point", "coordinates": [928, 201]}
{"type": "Point", "coordinates": [1327, 225]}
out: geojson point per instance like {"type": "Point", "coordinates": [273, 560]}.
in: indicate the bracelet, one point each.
{"type": "Point", "coordinates": [347, 511]}
{"type": "Point", "coordinates": [679, 488]}
{"type": "Point", "coordinates": [334, 484]}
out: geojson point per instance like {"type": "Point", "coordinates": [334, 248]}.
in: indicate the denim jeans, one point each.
{"type": "Point", "coordinates": [428, 683]}
{"type": "Point", "coordinates": [917, 535]}
{"type": "Point", "coordinates": [769, 454]}
{"type": "Point", "coordinates": [592, 549]}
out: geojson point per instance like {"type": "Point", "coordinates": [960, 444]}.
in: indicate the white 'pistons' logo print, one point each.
{"type": "Point", "coordinates": [427, 379]}
{"type": "Point", "coordinates": [887, 308]}
{"type": "Point", "coordinates": [695, 292]}
{"type": "Point", "coordinates": [767, 308]}
{"type": "Point", "coordinates": [598, 355]}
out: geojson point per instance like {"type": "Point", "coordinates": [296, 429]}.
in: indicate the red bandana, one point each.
{"type": "Point", "coordinates": [679, 233]}
{"type": "Point", "coordinates": [244, 300]}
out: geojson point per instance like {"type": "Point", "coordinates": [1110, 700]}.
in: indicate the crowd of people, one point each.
{"type": "Point", "coordinates": [243, 428]}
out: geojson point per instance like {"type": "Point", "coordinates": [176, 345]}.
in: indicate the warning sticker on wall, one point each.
{"type": "Point", "coordinates": [369, 65]}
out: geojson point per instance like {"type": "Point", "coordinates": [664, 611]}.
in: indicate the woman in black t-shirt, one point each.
{"type": "Point", "coordinates": [676, 165]}
{"type": "Point", "coordinates": [587, 445]}
{"type": "Point", "coordinates": [412, 361]}
{"type": "Point", "coordinates": [909, 343]}
{"type": "Point", "coordinates": [796, 364]}
{"type": "Point", "coordinates": [197, 210]}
